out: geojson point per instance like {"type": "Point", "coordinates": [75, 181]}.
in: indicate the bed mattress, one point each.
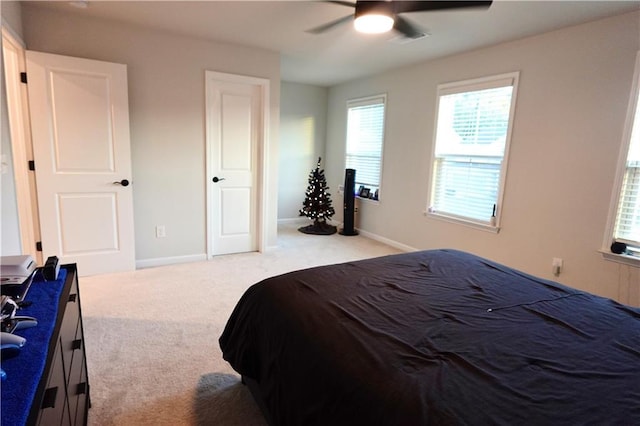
{"type": "Point", "coordinates": [434, 337]}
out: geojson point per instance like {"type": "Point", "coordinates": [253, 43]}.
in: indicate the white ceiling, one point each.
{"type": "Point", "coordinates": [342, 54]}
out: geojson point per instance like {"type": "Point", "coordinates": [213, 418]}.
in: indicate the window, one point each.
{"type": "Point", "coordinates": [626, 226]}
{"type": "Point", "coordinates": [365, 137]}
{"type": "Point", "coordinates": [473, 128]}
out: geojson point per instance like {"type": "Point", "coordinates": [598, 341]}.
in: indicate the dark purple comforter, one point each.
{"type": "Point", "coordinates": [434, 337]}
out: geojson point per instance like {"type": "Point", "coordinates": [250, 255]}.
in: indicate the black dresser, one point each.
{"type": "Point", "coordinates": [47, 384]}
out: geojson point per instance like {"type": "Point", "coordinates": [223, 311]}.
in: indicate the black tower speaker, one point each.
{"type": "Point", "coordinates": [349, 202]}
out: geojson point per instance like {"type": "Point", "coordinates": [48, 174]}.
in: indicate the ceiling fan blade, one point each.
{"type": "Point", "coordinates": [406, 28]}
{"type": "Point", "coordinates": [418, 6]}
{"type": "Point", "coordinates": [330, 25]}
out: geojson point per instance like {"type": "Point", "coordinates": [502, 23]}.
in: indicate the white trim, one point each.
{"type": "Point", "coordinates": [263, 151]}
{"type": "Point", "coordinates": [163, 261]}
{"type": "Point", "coordinates": [620, 258]}
{"type": "Point", "coordinates": [622, 159]}
{"type": "Point", "coordinates": [466, 222]}
{"type": "Point", "coordinates": [376, 237]}
{"type": "Point", "coordinates": [387, 241]}
{"type": "Point", "coordinates": [482, 83]}
{"type": "Point", "coordinates": [22, 149]}
{"type": "Point", "coordinates": [368, 200]}
{"type": "Point", "coordinates": [368, 100]}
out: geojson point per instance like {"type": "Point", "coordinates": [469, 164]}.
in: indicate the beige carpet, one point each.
{"type": "Point", "coordinates": [152, 335]}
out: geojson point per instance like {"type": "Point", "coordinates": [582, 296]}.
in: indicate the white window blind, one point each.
{"type": "Point", "coordinates": [466, 187]}
{"type": "Point", "coordinates": [627, 225]}
{"type": "Point", "coordinates": [472, 136]}
{"type": "Point", "coordinates": [365, 138]}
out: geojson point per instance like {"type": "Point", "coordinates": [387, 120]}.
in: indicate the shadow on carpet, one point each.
{"type": "Point", "coordinates": [221, 399]}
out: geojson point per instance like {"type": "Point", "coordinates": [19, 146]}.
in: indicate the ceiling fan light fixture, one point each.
{"type": "Point", "coordinates": [373, 23]}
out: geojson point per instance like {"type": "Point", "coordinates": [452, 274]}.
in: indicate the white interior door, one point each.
{"type": "Point", "coordinates": [80, 131]}
{"type": "Point", "coordinates": [235, 131]}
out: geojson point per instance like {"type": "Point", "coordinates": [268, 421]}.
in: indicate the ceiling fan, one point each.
{"type": "Point", "coordinates": [382, 16]}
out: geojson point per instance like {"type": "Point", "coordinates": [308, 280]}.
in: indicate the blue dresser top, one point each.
{"type": "Point", "coordinates": [25, 370]}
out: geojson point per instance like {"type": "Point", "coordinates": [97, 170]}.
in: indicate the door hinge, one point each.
{"type": "Point", "coordinates": [39, 246]}
{"type": "Point", "coordinates": [32, 165]}
{"type": "Point", "coordinates": [23, 77]}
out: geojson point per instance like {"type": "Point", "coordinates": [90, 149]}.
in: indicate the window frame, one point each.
{"type": "Point", "coordinates": [471, 85]}
{"type": "Point", "coordinates": [609, 237]}
{"type": "Point", "coordinates": [359, 102]}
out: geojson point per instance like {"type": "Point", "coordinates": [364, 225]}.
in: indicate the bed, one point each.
{"type": "Point", "coordinates": [433, 337]}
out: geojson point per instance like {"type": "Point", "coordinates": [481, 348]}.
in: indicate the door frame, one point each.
{"type": "Point", "coordinates": [262, 150]}
{"type": "Point", "coordinates": [21, 146]}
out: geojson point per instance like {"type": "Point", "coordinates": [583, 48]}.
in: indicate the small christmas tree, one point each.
{"type": "Point", "coordinates": [317, 204]}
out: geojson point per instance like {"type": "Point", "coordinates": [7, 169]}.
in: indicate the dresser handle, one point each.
{"type": "Point", "coordinates": [72, 297]}
{"type": "Point", "coordinates": [82, 388]}
{"type": "Point", "coordinates": [76, 344]}
{"type": "Point", "coordinates": [49, 399]}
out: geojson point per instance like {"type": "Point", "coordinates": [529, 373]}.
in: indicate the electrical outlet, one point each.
{"type": "Point", "coordinates": [161, 232]}
{"type": "Point", "coordinates": [556, 265]}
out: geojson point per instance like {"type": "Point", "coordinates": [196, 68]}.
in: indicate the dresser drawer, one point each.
{"type": "Point", "coordinates": [69, 329]}
{"type": "Point", "coordinates": [78, 397]}
{"type": "Point", "coordinates": [54, 405]}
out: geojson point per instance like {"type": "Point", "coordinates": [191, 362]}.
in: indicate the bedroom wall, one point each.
{"type": "Point", "coordinates": [571, 106]}
{"type": "Point", "coordinates": [303, 116]}
{"type": "Point", "coordinates": [166, 106]}
{"type": "Point", "coordinates": [12, 16]}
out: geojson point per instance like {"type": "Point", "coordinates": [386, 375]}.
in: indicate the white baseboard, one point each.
{"type": "Point", "coordinates": [162, 261]}
{"type": "Point", "coordinates": [375, 237]}
{"type": "Point", "coordinates": [387, 241]}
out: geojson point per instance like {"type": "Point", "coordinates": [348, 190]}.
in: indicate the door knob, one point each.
{"type": "Point", "coordinates": [216, 179]}
{"type": "Point", "coordinates": [123, 182]}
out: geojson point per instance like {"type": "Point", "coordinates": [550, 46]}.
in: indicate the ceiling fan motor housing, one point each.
{"type": "Point", "coordinates": [374, 7]}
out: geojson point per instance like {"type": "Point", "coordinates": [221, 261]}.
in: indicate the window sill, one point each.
{"type": "Point", "coordinates": [368, 200]}
{"type": "Point", "coordinates": [481, 226]}
{"type": "Point", "coordinates": [621, 258]}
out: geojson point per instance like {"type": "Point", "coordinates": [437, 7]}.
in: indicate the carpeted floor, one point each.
{"type": "Point", "coordinates": [152, 335]}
